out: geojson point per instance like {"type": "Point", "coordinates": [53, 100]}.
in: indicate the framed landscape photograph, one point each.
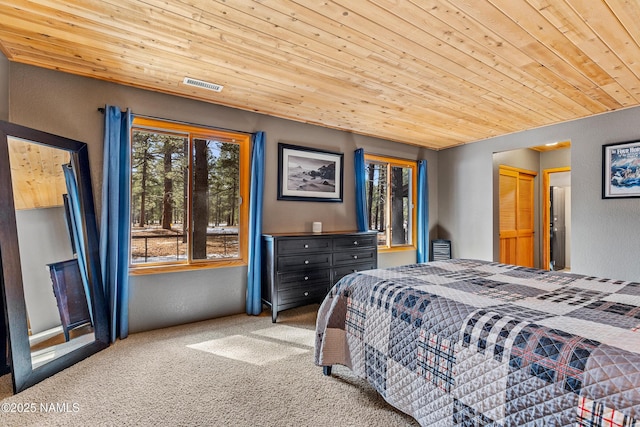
{"type": "Point", "coordinates": [309, 175]}
{"type": "Point", "coordinates": [621, 170]}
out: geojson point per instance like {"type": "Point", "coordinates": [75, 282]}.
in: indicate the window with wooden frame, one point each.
{"type": "Point", "coordinates": [188, 185]}
{"type": "Point", "coordinates": [391, 193]}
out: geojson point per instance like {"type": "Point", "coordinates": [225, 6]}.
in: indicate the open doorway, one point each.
{"type": "Point", "coordinates": [547, 161]}
{"type": "Point", "coordinates": [556, 219]}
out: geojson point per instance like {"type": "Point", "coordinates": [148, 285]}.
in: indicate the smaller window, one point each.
{"type": "Point", "coordinates": [390, 191]}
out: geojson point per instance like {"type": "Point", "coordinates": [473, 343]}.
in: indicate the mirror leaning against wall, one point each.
{"type": "Point", "coordinates": [53, 300]}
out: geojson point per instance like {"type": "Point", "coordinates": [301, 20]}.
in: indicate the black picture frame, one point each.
{"type": "Point", "coordinates": [621, 170]}
{"type": "Point", "coordinates": [311, 175]}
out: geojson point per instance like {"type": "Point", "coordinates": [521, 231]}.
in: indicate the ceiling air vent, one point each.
{"type": "Point", "coordinates": [202, 84]}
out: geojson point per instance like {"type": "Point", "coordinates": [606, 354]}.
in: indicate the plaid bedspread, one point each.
{"type": "Point", "coordinates": [475, 343]}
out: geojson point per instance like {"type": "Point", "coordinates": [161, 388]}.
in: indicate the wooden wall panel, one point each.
{"type": "Point", "coordinates": [433, 73]}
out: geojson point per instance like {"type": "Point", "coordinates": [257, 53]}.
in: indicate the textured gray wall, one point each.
{"type": "Point", "coordinates": [605, 237]}
{"type": "Point", "coordinates": [43, 239]}
{"type": "Point", "coordinates": [67, 105]}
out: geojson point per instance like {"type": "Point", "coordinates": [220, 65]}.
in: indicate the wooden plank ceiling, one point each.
{"type": "Point", "coordinates": [432, 73]}
{"type": "Point", "coordinates": [37, 177]}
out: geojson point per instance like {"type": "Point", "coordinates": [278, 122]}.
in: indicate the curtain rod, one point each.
{"type": "Point", "coordinates": [102, 110]}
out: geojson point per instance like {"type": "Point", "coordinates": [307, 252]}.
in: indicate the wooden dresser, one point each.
{"type": "Point", "coordinates": [301, 268]}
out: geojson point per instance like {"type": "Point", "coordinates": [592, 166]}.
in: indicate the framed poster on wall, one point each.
{"type": "Point", "coordinates": [309, 174]}
{"type": "Point", "coordinates": [621, 170]}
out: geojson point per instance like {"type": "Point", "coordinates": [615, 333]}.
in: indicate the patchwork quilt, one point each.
{"type": "Point", "coordinates": [475, 343]}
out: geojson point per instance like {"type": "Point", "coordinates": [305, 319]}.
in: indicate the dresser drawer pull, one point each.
{"type": "Point", "coordinates": [354, 271]}
{"type": "Point", "coordinates": [355, 242]}
{"type": "Point", "coordinates": [355, 257]}
{"type": "Point", "coordinates": [306, 261]}
{"type": "Point", "coordinates": [306, 277]}
{"type": "Point", "coordinates": [306, 294]}
{"type": "Point", "coordinates": [306, 246]}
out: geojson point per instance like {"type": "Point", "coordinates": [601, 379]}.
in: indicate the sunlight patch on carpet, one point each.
{"type": "Point", "coordinates": [249, 350]}
{"type": "Point", "coordinates": [299, 336]}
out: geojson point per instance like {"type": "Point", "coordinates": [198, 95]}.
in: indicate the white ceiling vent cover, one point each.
{"type": "Point", "coordinates": [202, 84]}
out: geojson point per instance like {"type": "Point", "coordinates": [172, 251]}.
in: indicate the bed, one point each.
{"type": "Point", "coordinates": [475, 343]}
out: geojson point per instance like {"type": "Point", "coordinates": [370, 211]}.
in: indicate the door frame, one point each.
{"type": "Point", "coordinates": [546, 221]}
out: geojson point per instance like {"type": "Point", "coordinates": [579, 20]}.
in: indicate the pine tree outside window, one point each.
{"type": "Point", "coordinates": [391, 192]}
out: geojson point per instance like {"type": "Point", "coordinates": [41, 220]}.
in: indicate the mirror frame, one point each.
{"type": "Point", "coordinates": [15, 313]}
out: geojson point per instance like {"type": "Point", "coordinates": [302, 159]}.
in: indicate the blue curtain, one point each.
{"type": "Point", "coordinates": [75, 216]}
{"type": "Point", "coordinates": [422, 213]}
{"type": "Point", "coordinates": [361, 195]}
{"type": "Point", "coordinates": [254, 297]}
{"type": "Point", "coordinates": [115, 219]}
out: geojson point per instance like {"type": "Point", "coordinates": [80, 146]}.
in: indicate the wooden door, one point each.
{"type": "Point", "coordinates": [516, 187]}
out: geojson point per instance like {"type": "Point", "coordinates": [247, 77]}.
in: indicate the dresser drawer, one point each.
{"type": "Point", "coordinates": [356, 241]}
{"type": "Point", "coordinates": [302, 294]}
{"type": "Point", "coordinates": [340, 272]}
{"type": "Point", "coordinates": [351, 256]}
{"type": "Point", "coordinates": [304, 277]}
{"type": "Point", "coordinates": [301, 262]}
{"type": "Point", "coordinates": [303, 245]}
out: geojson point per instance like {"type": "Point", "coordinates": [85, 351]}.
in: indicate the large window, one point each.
{"type": "Point", "coordinates": [390, 190]}
{"type": "Point", "coordinates": [188, 185]}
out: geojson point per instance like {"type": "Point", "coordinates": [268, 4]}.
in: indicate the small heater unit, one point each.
{"type": "Point", "coordinates": [440, 249]}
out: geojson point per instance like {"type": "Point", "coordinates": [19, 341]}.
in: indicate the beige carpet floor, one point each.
{"type": "Point", "coordinates": [234, 371]}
